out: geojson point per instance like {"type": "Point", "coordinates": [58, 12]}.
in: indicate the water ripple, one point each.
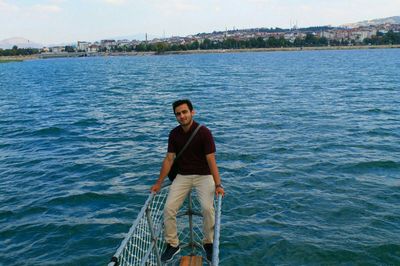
{"type": "Point", "coordinates": [307, 145]}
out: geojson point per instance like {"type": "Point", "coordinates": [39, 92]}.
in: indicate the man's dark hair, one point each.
{"type": "Point", "coordinates": [180, 102]}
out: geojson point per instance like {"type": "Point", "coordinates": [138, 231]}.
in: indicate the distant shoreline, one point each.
{"type": "Point", "coordinates": [359, 47]}
{"type": "Point", "coordinates": [4, 59]}
{"type": "Point", "coordinates": [19, 58]}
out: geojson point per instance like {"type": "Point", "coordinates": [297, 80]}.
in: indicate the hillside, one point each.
{"type": "Point", "coordinates": [374, 22]}
{"type": "Point", "coordinates": [20, 42]}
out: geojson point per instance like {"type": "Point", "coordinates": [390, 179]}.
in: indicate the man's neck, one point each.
{"type": "Point", "coordinates": [187, 127]}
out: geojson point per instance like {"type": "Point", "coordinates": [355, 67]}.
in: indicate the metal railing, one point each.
{"type": "Point", "coordinates": [144, 242]}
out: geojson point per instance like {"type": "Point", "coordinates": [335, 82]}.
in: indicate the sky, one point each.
{"type": "Point", "coordinates": [67, 21]}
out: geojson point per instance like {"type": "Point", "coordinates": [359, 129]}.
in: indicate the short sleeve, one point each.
{"type": "Point", "coordinates": [209, 145]}
{"type": "Point", "coordinates": [171, 146]}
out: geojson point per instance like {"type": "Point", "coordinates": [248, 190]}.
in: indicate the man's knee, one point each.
{"type": "Point", "coordinates": [170, 211]}
{"type": "Point", "coordinates": [208, 211]}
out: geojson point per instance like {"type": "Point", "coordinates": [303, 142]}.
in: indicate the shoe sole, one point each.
{"type": "Point", "coordinates": [173, 255]}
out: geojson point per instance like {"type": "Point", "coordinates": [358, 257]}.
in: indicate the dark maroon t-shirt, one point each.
{"type": "Point", "coordinates": [193, 159]}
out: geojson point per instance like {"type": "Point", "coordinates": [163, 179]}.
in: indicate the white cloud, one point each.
{"type": "Point", "coordinates": [53, 7]}
{"type": "Point", "coordinates": [115, 2]}
{"type": "Point", "coordinates": [183, 6]}
{"type": "Point", "coordinates": [6, 7]}
{"type": "Point", "coordinates": [177, 6]}
{"type": "Point", "coordinates": [260, 1]}
{"type": "Point", "coordinates": [47, 8]}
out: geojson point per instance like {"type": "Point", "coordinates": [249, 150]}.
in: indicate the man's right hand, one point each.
{"type": "Point", "coordinates": [155, 188]}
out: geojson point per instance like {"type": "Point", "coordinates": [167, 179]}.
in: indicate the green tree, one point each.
{"type": "Point", "coordinates": [69, 49]}
{"type": "Point", "coordinates": [310, 40]}
{"type": "Point", "coordinates": [183, 47]}
{"type": "Point", "coordinates": [229, 43]}
{"type": "Point", "coordinates": [161, 47]}
{"type": "Point", "coordinates": [141, 47]}
{"type": "Point", "coordinates": [391, 38]}
{"type": "Point", "coordinates": [323, 41]}
{"type": "Point", "coordinates": [194, 45]}
{"type": "Point", "coordinates": [206, 44]}
{"type": "Point", "coordinates": [298, 42]}
{"type": "Point", "coordinates": [175, 47]}
{"type": "Point", "coordinates": [272, 42]}
{"type": "Point", "coordinates": [260, 42]}
{"type": "Point", "coordinates": [282, 42]}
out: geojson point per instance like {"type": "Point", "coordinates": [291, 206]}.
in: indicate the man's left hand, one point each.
{"type": "Point", "coordinates": [219, 190]}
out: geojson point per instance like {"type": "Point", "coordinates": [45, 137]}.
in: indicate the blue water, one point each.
{"type": "Point", "coordinates": [308, 145]}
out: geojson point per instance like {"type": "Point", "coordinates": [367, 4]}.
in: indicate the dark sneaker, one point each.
{"type": "Point", "coordinates": [209, 250]}
{"type": "Point", "coordinates": [169, 253]}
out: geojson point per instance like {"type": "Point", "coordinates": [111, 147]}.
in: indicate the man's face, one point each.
{"type": "Point", "coordinates": [183, 115]}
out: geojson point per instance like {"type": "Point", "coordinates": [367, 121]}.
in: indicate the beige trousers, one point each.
{"type": "Point", "coordinates": [178, 191]}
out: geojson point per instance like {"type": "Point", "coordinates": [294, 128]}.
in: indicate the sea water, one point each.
{"type": "Point", "coordinates": [308, 146]}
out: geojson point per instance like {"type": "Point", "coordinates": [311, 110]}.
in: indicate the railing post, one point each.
{"type": "Point", "coordinates": [215, 257]}
{"type": "Point", "coordinates": [153, 236]}
{"type": "Point", "coordinates": [190, 213]}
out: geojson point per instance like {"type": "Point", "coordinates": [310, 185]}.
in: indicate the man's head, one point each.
{"type": "Point", "coordinates": [180, 102]}
{"type": "Point", "coordinates": [183, 110]}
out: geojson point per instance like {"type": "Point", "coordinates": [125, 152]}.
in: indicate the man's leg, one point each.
{"type": "Point", "coordinates": [206, 189]}
{"type": "Point", "coordinates": [176, 195]}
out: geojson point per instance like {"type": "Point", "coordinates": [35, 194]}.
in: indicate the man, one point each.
{"type": "Point", "coordinates": [197, 168]}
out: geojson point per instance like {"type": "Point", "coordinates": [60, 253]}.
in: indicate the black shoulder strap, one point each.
{"type": "Point", "coordinates": [187, 143]}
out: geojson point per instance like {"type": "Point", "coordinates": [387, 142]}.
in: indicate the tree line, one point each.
{"type": "Point", "coordinates": [390, 37]}
{"type": "Point", "coordinates": [15, 51]}
{"type": "Point", "coordinates": [230, 43]}
{"type": "Point", "coordinates": [309, 41]}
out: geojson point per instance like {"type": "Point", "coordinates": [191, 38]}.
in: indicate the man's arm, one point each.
{"type": "Point", "coordinates": [212, 163]}
{"type": "Point", "coordinates": [165, 167]}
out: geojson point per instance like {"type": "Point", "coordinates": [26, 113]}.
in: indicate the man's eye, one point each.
{"type": "Point", "coordinates": [183, 112]}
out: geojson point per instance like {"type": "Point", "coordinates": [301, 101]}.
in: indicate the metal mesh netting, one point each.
{"type": "Point", "coordinates": [138, 247]}
{"type": "Point", "coordinates": [147, 231]}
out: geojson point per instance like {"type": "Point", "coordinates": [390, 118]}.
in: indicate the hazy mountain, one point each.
{"type": "Point", "coordinates": [391, 20]}
{"type": "Point", "coordinates": [20, 42]}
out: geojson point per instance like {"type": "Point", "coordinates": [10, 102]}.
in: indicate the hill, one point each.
{"type": "Point", "coordinates": [374, 22]}
{"type": "Point", "coordinates": [20, 42]}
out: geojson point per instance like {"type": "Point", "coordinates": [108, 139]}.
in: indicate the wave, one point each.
{"type": "Point", "coordinates": [371, 165]}
{"type": "Point", "coordinates": [50, 131]}
{"type": "Point", "coordinates": [87, 122]}
{"type": "Point", "coordinates": [86, 198]}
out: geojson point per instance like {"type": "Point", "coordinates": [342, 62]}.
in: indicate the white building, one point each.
{"type": "Point", "coordinates": [360, 35]}
{"type": "Point", "coordinates": [83, 46]}
{"type": "Point", "coordinates": [57, 49]}
{"type": "Point", "coordinates": [108, 44]}
{"type": "Point", "coordinates": [93, 48]}
{"type": "Point", "coordinates": [330, 35]}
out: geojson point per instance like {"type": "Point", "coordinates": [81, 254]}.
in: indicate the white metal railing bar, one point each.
{"type": "Point", "coordinates": [215, 257]}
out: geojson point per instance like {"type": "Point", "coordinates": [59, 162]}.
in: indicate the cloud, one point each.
{"type": "Point", "coordinates": [184, 6]}
{"type": "Point", "coordinates": [47, 8]}
{"type": "Point", "coordinates": [260, 1]}
{"type": "Point", "coordinates": [176, 6]}
{"type": "Point", "coordinates": [6, 7]}
{"type": "Point", "coordinates": [115, 2]}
